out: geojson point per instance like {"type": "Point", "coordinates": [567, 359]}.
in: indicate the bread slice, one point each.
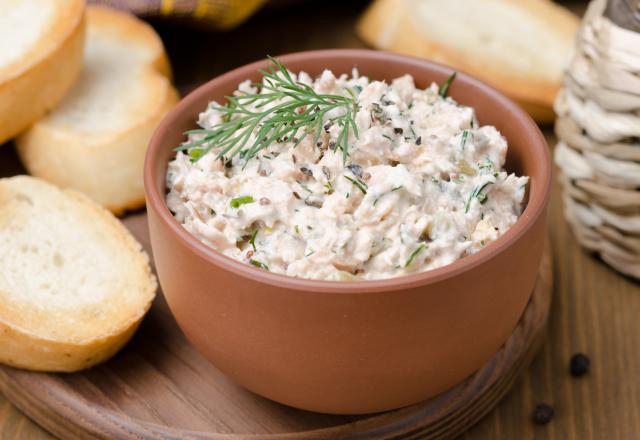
{"type": "Point", "coordinates": [519, 47]}
{"type": "Point", "coordinates": [95, 140]}
{"type": "Point", "coordinates": [74, 283]}
{"type": "Point", "coordinates": [40, 58]}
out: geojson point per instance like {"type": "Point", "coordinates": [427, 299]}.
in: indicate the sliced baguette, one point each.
{"type": "Point", "coordinates": [74, 283]}
{"type": "Point", "coordinates": [40, 58]}
{"type": "Point", "coordinates": [519, 47]}
{"type": "Point", "coordinates": [96, 139]}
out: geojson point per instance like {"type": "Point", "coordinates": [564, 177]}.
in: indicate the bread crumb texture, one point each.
{"type": "Point", "coordinates": [73, 281]}
{"type": "Point", "coordinates": [95, 140]}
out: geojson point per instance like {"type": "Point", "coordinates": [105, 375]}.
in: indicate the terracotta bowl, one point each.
{"type": "Point", "coordinates": [351, 347]}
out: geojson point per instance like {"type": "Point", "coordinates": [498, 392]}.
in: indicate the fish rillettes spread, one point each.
{"type": "Point", "coordinates": [421, 185]}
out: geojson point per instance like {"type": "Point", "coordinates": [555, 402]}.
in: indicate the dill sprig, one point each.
{"type": "Point", "coordinates": [282, 110]}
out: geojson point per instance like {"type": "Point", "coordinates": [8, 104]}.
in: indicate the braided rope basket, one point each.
{"type": "Point", "coordinates": [598, 128]}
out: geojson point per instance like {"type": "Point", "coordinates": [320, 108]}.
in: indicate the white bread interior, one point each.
{"type": "Point", "coordinates": [96, 139]}
{"type": "Point", "coordinates": [74, 283]}
{"type": "Point", "coordinates": [41, 44]}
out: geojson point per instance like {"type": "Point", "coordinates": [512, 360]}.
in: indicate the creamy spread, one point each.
{"type": "Point", "coordinates": [422, 187]}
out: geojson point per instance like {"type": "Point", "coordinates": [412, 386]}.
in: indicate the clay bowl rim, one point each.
{"type": "Point", "coordinates": [534, 209]}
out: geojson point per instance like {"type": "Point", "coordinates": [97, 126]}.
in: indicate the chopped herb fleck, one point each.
{"type": "Point", "coordinates": [477, 193]}
{"type": "Point", "coordinates": [329, 187]}
{"type": "Point", "coordinates": [303, 185]}
{"type": "Point", "coordinates": [252, 240]}
{"type": "Point", "coordinates": [361, 185]}
{"type": "Point", "coordinates": [375, 202]}
{"type": "Point", "coordinates": [463, 139]}
{"type": "Point", "coordinates": [259, 264]}
{"type": "Point", "coordinates": [239, 201]}
{"type": "Point", "coordinates": [196, 153]}
{"type": "Point", "coordinates": [415, 253]}
{"type": "Point", "coordinates": [444, 88]}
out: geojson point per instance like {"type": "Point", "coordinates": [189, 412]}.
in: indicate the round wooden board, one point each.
{"type": "Point", "coordinates": [159, 387]}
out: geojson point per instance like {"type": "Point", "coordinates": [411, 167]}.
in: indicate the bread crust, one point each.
{"type": "Point", "coordinates": [107, 166]}
{"type": "Point", "coordinates": [388, 25]}
{"type": "Point", "coordinates": [61, 157]}
{"type": "Point", "coordinates": [28, 338]}
{"type": "Point", "coordinates": [35, 83]}
{"type": "Point", "coordinates": [22, 350]}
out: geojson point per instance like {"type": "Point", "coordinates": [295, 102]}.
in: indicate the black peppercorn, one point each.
{"type": "Point", "coordinates": [579, 365]}
{"type": "Point", "coordinates": [542, 414]}
{"type": "Point", "coordinates": [355, 169]}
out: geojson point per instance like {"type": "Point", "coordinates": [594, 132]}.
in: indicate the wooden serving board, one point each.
{"type": "Point", "coordinates": [159, 387]}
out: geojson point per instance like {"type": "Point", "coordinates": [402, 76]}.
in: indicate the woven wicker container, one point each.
{"type": "Point", "coordinates": [598, 127]}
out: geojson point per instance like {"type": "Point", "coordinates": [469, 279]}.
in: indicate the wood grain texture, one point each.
{"type": "Point", "coordinates": [160, 387]}
{"type": "Point", "coordinates": [595, 310]}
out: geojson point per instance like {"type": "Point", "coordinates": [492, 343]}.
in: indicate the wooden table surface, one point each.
{"type": "Point", "coordinates": [595, 310]}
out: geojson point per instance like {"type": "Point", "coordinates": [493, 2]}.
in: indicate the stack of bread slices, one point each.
{"type": "Point", "coordinates": [598, 152]}
{"type": "Point", "coordinates": [83, 112]}
{"type": "Point", "coordinates": [81, 91]}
